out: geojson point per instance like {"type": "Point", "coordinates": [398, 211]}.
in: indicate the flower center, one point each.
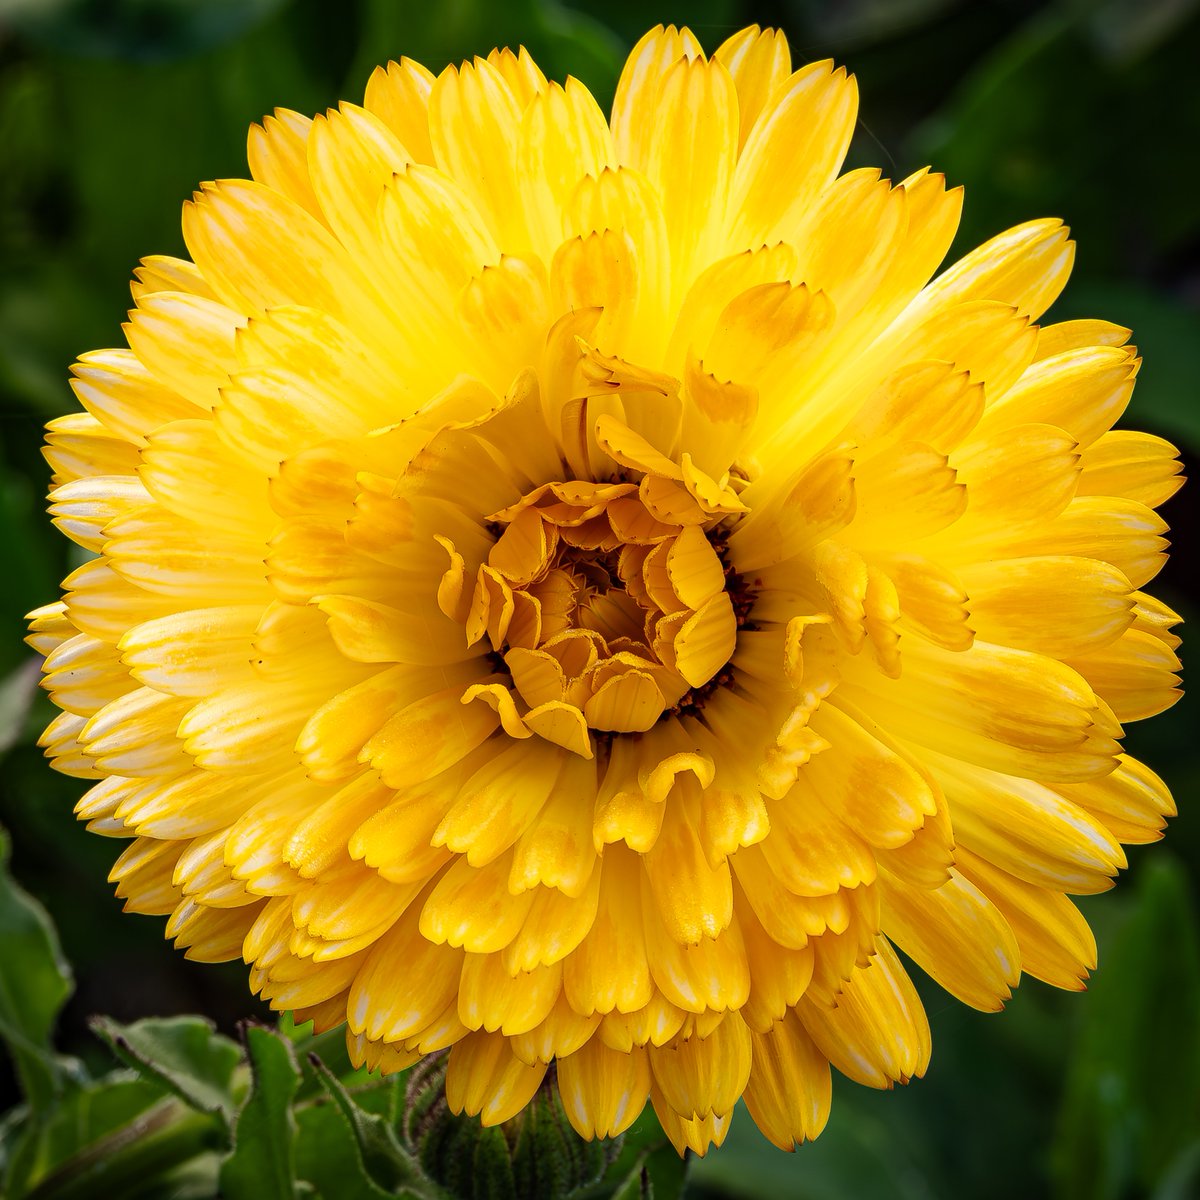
{"type": "Point", "coordinates": [598, 604]}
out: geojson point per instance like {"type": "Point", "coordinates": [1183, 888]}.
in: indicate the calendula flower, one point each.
{"type": "Point", "coordinates": [576, 592]}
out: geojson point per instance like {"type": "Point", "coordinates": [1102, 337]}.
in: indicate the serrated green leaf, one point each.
{"type": "Point", "coordinates": [1132, 1103]}
{"type": "Point", "coordinates": [384, 1161]}
{"type": "Point", "coordinates": [185, 1054]}
{"type": "Point", "coordinates": [263, 1162]}
{"type": "Point", "coordinates": [35, 981]}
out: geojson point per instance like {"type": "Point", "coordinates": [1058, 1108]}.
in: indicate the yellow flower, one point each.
{"type": "Point", "coordinates": [575, 591]}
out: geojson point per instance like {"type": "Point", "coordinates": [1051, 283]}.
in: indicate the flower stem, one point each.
{"type": "Point", "coordinates": [158, 1140]}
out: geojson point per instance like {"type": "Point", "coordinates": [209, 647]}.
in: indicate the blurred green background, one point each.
{"type": "Point", "coordinates": [111, 111]}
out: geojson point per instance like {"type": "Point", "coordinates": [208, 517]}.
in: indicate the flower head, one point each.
{"type": "Point", "coordinates": [575, 591]}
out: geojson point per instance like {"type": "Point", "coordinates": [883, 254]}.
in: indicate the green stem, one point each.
{"type": "Point", "coordinates": [161, 1139]}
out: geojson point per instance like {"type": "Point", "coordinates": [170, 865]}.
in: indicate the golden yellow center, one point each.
{"type": "Point", "coordinates": [596, 603]}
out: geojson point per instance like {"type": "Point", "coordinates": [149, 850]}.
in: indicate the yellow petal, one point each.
{"type": "Point", "coordinates": [490, 998]}
{"type": "Point", "coordinates": [1055, 942]}
{"type": "Point", "coordinates": [122, 395]}
{"type": "Point", "coordinates": [186, 342]}
{"type": "Point", "coordinates": [1019, 602]}
{"type": "Point", "coordinates": [1074, 335]}
{"type": "Point", "coordinates": [563, 139]}
{"type": "Point", "coordinates": [399, 97]}
{"type": "Point", "coordinates": [610, 969]}
{"type": "Point", "coordinates": [603, 1091]}
{"type": "Point", "coordinates": [699, 1075]}
{"type": "Point", "coordinates": [1083, 391]}
{"type": "Point", "coordinates": [486, 1080]}
{"type": "Point", "coordinates": [427, 736]}
{"type": "Point", "coordinates": [277, 153]}
{"type": "Point", "coordinates": [712, 975]}
{"type": "Point", "coordinates": [320, 840]}
{"type": "Point", "coordinates": [382, 1011]}
{"type": "Point", "coordinates": [789, 1090]}
{"type": "Point", "coordinates": [694, 899]}
{"type": "Point", "coordinates": [562, 1032]}
{"type": "Point", "coordinates": [759, 62]}
{"type": "Point", "coordinates": [1137, 674]}
{"type": "Point", "coordinates": [639, 88]}
{"type": "Point", "coordinates": [792, 154]}
{"type": "Point", "coordinates": [1028, 829]}
{"type": "Point", "coordinates": [1139, 466]}
{"type": "Point", "coordinates": [958, 936]}
{"type": "Point", "coordinates": [84, 507]}
{"type": "Point", "coordinates": [698, 1134]}
{"type": "Point", "coordinates": [693, 140]}
{"type": "Point", "coordinates": [472, 907]}
{"type": "Point", "coordinates": [352, 156]}
{"type": "Point", "coordinates": [259, 250]}
{"type": "Point", "coordinates": [554, 926]}
{"type": "Point", "coordinates": [779, 975]}
{"type": "Point", "coordinates": [1132, 802]}
{"type": "Point", "coordinates": [555, 849]}
{"type": "Point", "coordinates": [165, 273]}
{"type": "Point", "coordinates": [1025, 266]}
{"type": "Point", "coordinates": [474, 128]}
{"type": "Point", "coordinates": [194, 652]}
{"type": "Point", "coordinates": [499, 802]}
{"type": "Point", "coordinates": [878, 1033]}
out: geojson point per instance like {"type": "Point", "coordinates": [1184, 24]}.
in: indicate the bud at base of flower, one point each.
{"type": "Point", "coordinates": [534, 1156]}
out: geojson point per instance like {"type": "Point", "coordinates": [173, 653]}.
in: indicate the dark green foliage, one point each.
{"type": "Point", "coordinates": [35, 982]}
{"type": "Point", "coordinates": [1131, 1113]}
{"type": "Point", "coordinates": [263, 1163]}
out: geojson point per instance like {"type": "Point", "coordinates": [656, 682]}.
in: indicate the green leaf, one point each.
{"type": "Point", "coordinates": [35, 981]}
{"type": "Point", "coordinates": [1132, 1102]}
{"type": "Point", "coordinates": [81, 1116]}
{"type": "Point", "coordinates": [328, 1158]}
{"type": "Point", "coordinates": [329, 1047]}
{"type": "Point", "coordinates": [646, 1166]}
{"type": "Point", "coordinates": [262, 1165]}
{"type": "Point", "coordinates": [384, 1161]}
{"type": "Point", "coordinates": [635, 1186]}
{"type": "Point", "coordinates": [184, 1054]}
{"type": "Point", "coordinates": [141, 1159]}
{"type": "Point", "coordinates": [666, 1173]}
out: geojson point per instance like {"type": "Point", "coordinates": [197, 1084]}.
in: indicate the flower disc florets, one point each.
{"type": "Point", "coordinates": [608, 601]}
{"type": "Point", "coordinates": [576, 592]}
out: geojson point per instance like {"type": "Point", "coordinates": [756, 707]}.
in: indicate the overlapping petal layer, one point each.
{"type": "Point", "coordinates": [576, 591]}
